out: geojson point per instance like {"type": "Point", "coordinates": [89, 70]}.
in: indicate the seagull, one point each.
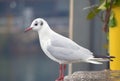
{"type": "Point", "coordinates": [62, 49]}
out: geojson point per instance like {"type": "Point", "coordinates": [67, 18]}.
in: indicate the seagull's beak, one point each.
{"type": "Point", "coordinates": [28, 29]}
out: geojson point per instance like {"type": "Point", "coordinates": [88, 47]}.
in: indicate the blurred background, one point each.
{"type": "Point", "coordinates": [21, 57]}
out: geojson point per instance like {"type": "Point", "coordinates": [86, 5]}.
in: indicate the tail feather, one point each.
{"type": "Point", "coordinates": [109, 57]}
{"type": "Point", "coordinates": [100, 59]}
{"type": "Point", "coordinates": [94, 62]}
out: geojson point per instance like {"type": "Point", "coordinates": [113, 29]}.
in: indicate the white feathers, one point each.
{"type": "Point", "coordinates": [60, 48]}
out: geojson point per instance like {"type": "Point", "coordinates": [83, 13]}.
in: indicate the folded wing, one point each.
{"type": "Point", "coordinates": [65, 49]}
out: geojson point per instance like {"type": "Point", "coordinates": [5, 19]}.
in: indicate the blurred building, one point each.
{"type": "Point", "coordinates": [21, 58]}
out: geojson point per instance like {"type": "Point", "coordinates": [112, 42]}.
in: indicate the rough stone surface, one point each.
{"type": "Point", "coordinates": [105, 75]}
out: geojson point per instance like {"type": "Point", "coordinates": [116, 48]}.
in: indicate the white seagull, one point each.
{"type": "Point", "coordinates": [61, 49]}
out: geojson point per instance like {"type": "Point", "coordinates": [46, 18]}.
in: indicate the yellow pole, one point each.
{"type": "Point", "coordinates": [114, 40]}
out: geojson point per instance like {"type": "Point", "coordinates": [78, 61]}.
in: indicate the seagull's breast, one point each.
{"type": "Point", "coordinates": [45, 42]}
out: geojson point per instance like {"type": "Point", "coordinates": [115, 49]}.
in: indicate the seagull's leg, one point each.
{"type": "Point", "coordinates": [60, 78]}
{"type": "Point", "coordinates": [61, 74]}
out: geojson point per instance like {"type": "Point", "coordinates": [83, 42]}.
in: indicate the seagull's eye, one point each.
{"type": "Point", "coordinates": [36, 24]}
{"type": "Point", "coordinates": [41, 23]}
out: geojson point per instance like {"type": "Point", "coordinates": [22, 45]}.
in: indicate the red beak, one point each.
{"type": "Point", "coordinates": [28, 29]}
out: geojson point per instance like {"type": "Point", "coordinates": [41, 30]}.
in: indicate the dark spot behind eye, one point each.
{"type": "Point", "coordinates": [36, 24]}
{"type": "Point", "coordinates": [41, 23]}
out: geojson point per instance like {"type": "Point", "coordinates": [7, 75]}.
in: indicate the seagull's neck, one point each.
{"type": "Point", "coordinates": [45, 32]}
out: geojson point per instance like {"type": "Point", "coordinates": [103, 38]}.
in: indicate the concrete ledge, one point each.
{"type": "Point", "coordinates": [105, 75]}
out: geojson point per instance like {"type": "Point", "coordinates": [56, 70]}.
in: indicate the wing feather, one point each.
{"type": "Point", "coordinates": [67, 54]}
{"type": "Point", "coordinates": [61, 41]}
{"type": "Point", "coordinates": [65, 49]}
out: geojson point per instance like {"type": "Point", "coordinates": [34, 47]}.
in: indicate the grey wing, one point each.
{"type": "Point", "coordinates": [65, 49]}
{"type": "Point", "coordinates": [67, 54]}
{"type": "Point", "coordinates": [63, 42]}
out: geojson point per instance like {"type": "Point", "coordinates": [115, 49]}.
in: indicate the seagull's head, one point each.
{"type": "Point", "coordinates": [36, 25]}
